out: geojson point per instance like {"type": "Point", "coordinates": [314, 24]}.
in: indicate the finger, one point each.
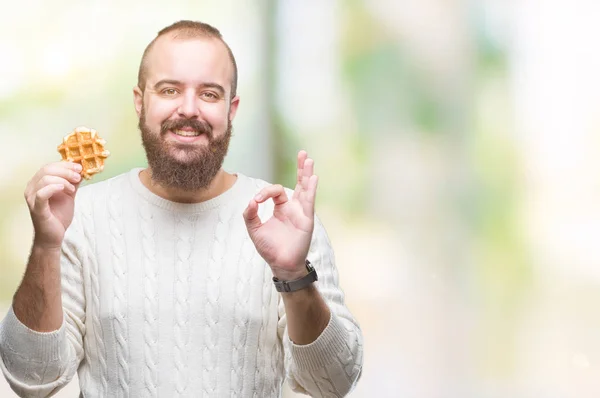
{"type": "Point", "coordinates": [302, 155]}
{"type": "Point", "coordinates": [297, 191]}
{"type": "Point", "coordinates": [32, 191]}
{"type": "Point", "coordinates": [303, 175]}
{"type": "Point", "coordinates": [308, 202]}
{"type": "Point", "coordinates": [63, 169]}
{"type": "Point", "coordinates": [43, 196]}
{"type": "Point", "coordinates": [251, 216]}
{"type": "Point", "coordinates": [67, 170]}
{"type": "Point", "coordinates": [307, 172]}
{"type": "Point", "coordinates": [50, 179]}
{"type": "Point", "coordinates": [60, 168]}
{"type": "Point", "coordinates": [276, 192]}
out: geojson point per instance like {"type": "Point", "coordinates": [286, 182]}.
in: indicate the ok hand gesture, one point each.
{"type": "Point", "coordinates": [283, 240]}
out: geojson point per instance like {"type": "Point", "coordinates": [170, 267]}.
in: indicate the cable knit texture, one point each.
{"type": "Point", "coordinates": [185, 236]}
{"type": "Point", "coordinates": [88, 220]}
{"type": "Point", "coordinates": [172, 299]}
{"type": "Point", "coordinates": [120, 281]}
{"type": "Point", "coordinates": [151, 312]}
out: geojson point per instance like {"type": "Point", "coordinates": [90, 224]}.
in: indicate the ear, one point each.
{"type": "Point", "coordinates": [138, 100]}
{"type": "Point", "coordinates": [233, 106]}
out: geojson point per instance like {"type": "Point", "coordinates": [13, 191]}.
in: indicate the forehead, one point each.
{"type": "Point", "coordinates": [191, 61]}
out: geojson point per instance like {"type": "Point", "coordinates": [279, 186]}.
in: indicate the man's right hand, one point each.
{"type": "Point", "coordinates": [50, 195]}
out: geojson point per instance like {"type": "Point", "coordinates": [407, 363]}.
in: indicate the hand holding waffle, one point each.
{"type": "Point", "coordinates": [50, 194]}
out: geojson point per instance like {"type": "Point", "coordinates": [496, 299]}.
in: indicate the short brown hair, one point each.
{"type": "Point", "coordinates": [188, 30]}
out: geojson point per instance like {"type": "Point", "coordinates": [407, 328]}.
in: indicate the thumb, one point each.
{"type": "Point", "coordinates": [251, 216]}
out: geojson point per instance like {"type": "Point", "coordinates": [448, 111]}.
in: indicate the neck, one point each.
{"type": "Point", "coordinates": [221, 183]}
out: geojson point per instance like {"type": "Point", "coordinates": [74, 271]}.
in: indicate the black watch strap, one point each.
{"type": "Point", "coordinates": [298, 284]}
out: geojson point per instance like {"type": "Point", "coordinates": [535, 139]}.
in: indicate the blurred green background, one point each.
{"type": "Point", "coordinates": [456, 143]}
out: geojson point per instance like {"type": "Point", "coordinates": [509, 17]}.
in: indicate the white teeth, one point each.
{"type": "Point", "coordinates": [186, 133]}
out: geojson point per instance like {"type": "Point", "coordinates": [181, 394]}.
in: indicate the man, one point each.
{"type": "Point", "coordinates": [165, 281]}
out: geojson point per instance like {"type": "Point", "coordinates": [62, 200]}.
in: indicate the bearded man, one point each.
{"type": "Point", "coordinates": [179, 279]}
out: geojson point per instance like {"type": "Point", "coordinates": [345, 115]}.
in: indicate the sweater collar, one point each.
{"type": "Point", "coordinates": [188, 208]}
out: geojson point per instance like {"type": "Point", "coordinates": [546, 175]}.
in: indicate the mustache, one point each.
{"type": "Point", "coordinates": [198, 126]}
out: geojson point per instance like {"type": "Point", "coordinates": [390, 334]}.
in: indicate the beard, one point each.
{"type": "Point", "coordinates": [196, 166]}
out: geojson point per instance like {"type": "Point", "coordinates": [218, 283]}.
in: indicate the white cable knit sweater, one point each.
{"type": "Point", "coordinates": [164, 299]}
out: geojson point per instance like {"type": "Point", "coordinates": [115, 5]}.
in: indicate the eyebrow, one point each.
{"type": "Point", "coordinates": [167, 81]}
{"type": "Point", "coordinates": [216, 86]}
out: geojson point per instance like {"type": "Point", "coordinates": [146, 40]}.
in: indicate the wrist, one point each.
{"type": "Point", "coordinates": [296, 281]}
{"type": "Point", "coordinates": [45, 249]}
{"type": "Point", "coordinates": [47, 242]}
{"type": "Point", "coordinates": [289, 275]}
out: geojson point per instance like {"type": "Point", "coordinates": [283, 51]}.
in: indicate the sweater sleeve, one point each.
{"type": "Point", "coordinates": [331, 365]}
{"type": "Point", "coordinates": [37, 364]}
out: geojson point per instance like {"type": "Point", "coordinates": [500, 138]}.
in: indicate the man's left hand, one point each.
{"type": "Point", "coordinates": [283, 240]}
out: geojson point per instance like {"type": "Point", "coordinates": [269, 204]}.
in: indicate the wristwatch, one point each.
{"type": "Point", "coordinates": [298, 284]}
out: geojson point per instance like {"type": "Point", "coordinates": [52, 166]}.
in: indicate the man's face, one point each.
{"type": "Point", "coordinates": [185, 111]}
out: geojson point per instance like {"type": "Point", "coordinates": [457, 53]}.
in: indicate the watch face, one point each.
{"type": "Point", "coordinates": [309, 266]}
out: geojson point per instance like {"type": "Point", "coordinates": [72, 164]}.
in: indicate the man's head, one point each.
{"type": "Point", "coordinates": [187, 30]}
{"type": "Point", "coordinates": [185, 101]}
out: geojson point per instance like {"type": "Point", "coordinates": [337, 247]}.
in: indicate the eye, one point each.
{"type": "Point", "coordinates": [209, 95]}
{"type": "Point", "coordinates": [169, 92]}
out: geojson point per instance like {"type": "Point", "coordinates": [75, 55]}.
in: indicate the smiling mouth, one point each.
{"type": "Point", "coordinates": [186, 133]}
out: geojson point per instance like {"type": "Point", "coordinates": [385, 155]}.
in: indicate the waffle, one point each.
{"type": "Point", "coordinates": [85, 147]}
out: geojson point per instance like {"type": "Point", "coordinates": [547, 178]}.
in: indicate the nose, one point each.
{"type": "Point", "coordinates": [189, 106]}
